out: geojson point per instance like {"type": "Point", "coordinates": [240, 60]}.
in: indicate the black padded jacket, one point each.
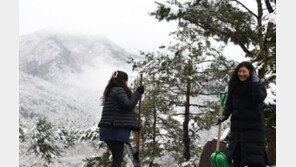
{"type": "Point", "coordinates": [118, 109]}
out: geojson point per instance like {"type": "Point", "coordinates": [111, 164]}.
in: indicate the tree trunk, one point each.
{"type": "Point", "coordinates": [260, 38]}
{"type": "Point", "coordinates": [186, 138]}
{"type": "Point", "coordinates": [268, 6]}
{"type": "Point", "coordinates": [271, 146]}
{"type": "Point", "coordinates": [154, 137]}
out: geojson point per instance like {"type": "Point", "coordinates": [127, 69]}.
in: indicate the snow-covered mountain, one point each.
{"type": "Point", "coordinates": [62, 76]}
{"type": "Point", "coordinates": [52, 56]}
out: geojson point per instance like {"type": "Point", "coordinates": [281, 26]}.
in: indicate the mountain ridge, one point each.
{"type": "Point", "coordinates": [56, 71]}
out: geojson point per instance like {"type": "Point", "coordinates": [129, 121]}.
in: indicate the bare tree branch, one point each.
{"type": "Point", "coordinates": [207, 26]}
{"type": "Point", "coordinates": [200, 106]}
{"type": "Point", "coordinates": [245, 8]}
{"type": "Point", "coordinates": [268, 6]}
{"type": "Point", "coordinates": [177, 114]}
{"type": "Point", "coordinates": [206, 94]}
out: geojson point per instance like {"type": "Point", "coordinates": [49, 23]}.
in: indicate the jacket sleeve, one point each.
{"type": "Point", "coordinates": [125, 102]}
{"type": "Point", "coordinates": [228, 107]}
{"type": "Point", "coordinates": [258, 92]}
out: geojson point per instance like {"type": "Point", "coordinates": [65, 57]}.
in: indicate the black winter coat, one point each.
{"type": "Point", "coordinates": [247, 125]}
{"type": "Point", "coordinates": [118, 109]}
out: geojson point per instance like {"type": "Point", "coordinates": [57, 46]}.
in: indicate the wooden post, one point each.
{"type": "Point", "coordinates": [222, 99]}
{"type": "Point", "coordinates": [219, 130]}
{"type": "Point", "coordinates": [139, 118]}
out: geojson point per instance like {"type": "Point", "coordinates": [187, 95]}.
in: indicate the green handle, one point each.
{"type": "Point", "coordinates": [222, 97]}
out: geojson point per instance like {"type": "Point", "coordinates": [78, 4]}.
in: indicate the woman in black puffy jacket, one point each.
{"type": "Point", "coordinates": [118, 116]}
{"type": "Point", "coordinates": [245, 105]}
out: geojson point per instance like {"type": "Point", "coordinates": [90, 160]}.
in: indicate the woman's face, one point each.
{"type": "Point", "coordinates": [243, 74]}
{"type": "Point", "coordinates": [126, 82]}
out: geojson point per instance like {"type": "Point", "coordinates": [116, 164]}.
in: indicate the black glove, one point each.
{"type": "Point", "coordinates": [137, 129]}
{"type": "Point", "coordinates": [221, 120]}
{"type": "Point", "coordinates": [255, 77]}
{"type": "Point", "coordinates": [140, 89]}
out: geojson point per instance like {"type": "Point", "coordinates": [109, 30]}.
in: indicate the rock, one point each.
{"type": "Point", "coordinates": [209, 148]}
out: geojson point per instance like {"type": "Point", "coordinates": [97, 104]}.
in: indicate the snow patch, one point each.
{"type": "Point", "coordinates": [225, 133]}
{"type": "Point", "coordinates": [272, 17]}
{"type": "Point", "coordinates": [175, 10]}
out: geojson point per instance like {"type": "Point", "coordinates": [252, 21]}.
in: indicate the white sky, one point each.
{"type": "Point", "coordinates": [125, 22]}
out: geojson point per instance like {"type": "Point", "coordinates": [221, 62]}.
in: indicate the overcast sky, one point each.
{"type": "Point", "coordinates": [125, 22]}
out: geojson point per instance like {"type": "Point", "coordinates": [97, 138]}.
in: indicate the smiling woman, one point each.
{"type": "Point", "coordinates": [245, 105]}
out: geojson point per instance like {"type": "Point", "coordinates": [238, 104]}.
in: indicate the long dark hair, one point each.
{"type": "Point", "coordinates": [235, 86]}
{"type": "Point", "coordinates": [118, 79]}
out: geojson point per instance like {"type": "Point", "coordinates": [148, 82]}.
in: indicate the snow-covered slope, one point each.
{"type": "Point", "coordinates": [57, 57]}
{"type": "Point", "coordinates": [62, 76]}
{"type": "Point", "coordinates": [41, 98]}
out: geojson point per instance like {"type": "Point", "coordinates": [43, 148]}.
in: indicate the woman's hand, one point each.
{"type": "Point", "coordinates": [255, 77]}
{"type": "Point", "coordinates": [138, 128]}
{"type": "Point", "coordinates": [140, 89]}
{"type": "Point", "coordinates": [221, 120]}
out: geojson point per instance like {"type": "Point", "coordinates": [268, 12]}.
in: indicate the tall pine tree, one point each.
{"type": "Point", "coordinates": [190, 74]}
{"type": "Point", "coordinates": [44, 142]}
{"type": "Point", "coordinates": [153, 108]}
{"type": "Point", "coordinates": [230, 21]}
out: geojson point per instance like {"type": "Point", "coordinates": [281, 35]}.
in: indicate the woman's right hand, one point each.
{"type": "Point", "coordinates": [255, 77]}
{"type": "Point", "coordinates": [140, 89]}
{"type": "Point", "coordinates": [221, 120]}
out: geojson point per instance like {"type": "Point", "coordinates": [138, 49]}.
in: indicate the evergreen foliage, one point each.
{"type": "Point", "coordinates": [94, 161]}
{"type": "Point", "coordinates": [153, 107]}
{"type": "Point", "coordinates": [186, 74]}
{"type": "Point", "coordinates": [44, 142]}
{"type": "Point", "coordinates": [230, 21]}
{"type": "Point", "coordinates": [91, 134]}
{"type": "Point", "coordinates": [21, 133]}
{"type": "Point", "coordinates": [67, 137]}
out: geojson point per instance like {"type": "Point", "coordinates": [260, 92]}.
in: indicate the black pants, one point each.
{"type": "Point", "coordinates": [116, 148]}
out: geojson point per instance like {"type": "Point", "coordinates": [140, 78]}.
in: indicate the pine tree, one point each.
{"type": "Point", "coordinates": [188, 72]}
{"type": "Point", "coordinates": [21, 132]}
{"type": "Point", "coordinates": [270, 126]}
{"type": "Point", "coordinates": [173, 142]}
{"type": "Point", "coordinates": [90, 134]}
{"type": "Point", "coordinates": [153, 107]}
{"type": "Point", "coordinates": [43, 142]}
{"type": "Point", "coordinates": [67, 137]}
{"type": "Point", "coordinates": [94, 161]}
{"type": "Point", "coordinates": [230, 21]}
